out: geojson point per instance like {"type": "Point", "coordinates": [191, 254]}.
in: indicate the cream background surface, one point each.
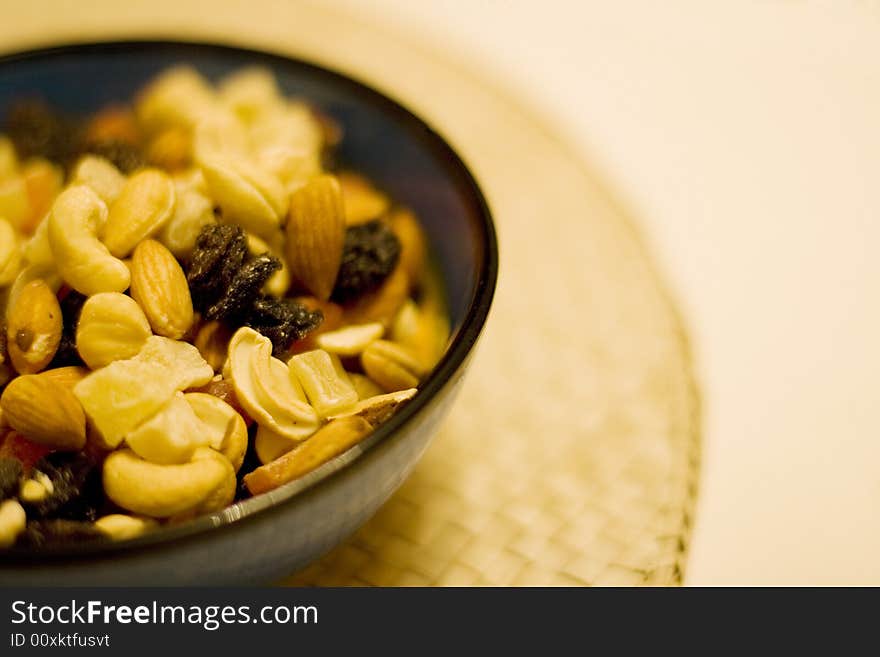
{"type": "Point", "coordinates": [744, 137]}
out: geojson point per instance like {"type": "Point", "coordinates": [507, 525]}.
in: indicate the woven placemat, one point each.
{"type": "Point", "coordinates": [571, 456]}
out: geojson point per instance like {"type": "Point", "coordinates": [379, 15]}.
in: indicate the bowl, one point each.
{"type": "Point", "coordinates": [263, 538]}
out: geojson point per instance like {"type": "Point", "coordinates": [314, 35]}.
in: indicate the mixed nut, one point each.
{"type": "Point", "coordinates": [196, 307]}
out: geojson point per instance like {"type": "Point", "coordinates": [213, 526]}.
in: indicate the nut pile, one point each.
{"type": "Point", "coordinates": [194, 308]}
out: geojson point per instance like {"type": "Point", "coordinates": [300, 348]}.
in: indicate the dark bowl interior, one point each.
{"type": "Point", "coordinates": [382, 139]}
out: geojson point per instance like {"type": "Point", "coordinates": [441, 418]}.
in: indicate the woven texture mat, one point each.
{"type": "Point", "coordinates": [571, 455]}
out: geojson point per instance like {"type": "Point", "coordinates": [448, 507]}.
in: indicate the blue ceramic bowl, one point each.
{"type": "Point", "coordinates": [272, 535]}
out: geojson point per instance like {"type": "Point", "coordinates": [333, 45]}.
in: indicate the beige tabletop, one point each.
{"type": "Point", "coordinates": [743, 138]}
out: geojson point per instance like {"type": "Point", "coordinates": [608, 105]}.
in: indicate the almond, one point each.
{"type": "Point", "coordinates": [44, 411]}
{"type": "Point", "coordinates": [33, 329]}
{"type": "Point", "coordinates": [145, 204]}
{"type": "Point", "coordinates": [159, 285]}
{"type": "Point", "coordinates": [330, 441]}
{"type": "Point", "coordinates": [316, 234]}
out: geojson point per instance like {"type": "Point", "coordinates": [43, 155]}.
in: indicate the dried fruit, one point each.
{"type": "Point", "coordinates": [44, 411]}
{"type": "Point", "coordinates": [43, 181]}
{"type": "Point", "coordinates": [10, 472]}
{"type": "Point", "coordinates": [219, 253]}
{"type": "Point", "coordinates": [37, 131]}
{"type": "Point", "coordinates": [363, 202]}
{"type": "Point", "coordinates": [171, 435]}
{"type": "Point", "coordinates": [225, 391]}
{"type": "Point", "coordinates": [245, 286]}
{"type": "Point", "coordinates": [212, 341]}
{"type": "Point", "coordinates": [26, 451]}
{"type": "Point", "coordinates": [371, 253]}
{"type": "Point", "coordinates": [283, 321]}
{"type": "Point", "coordinates": [382, 304]}
{"type": "Point", "coordinates": [33, 329]}
{"type": "Point", "coordinates": [75, 491]}
{"type": "Point", "coordinates": [71, 306]}
{"type": "Point", "coordinates": [413, 245]}
{"type": "Point", "coordinates": [316, 234]}
{"type": "Point", "coordinates": [332, 440]}
{"type": "Point", "coordinates": [120, 397]}
{"type": "Point", "coordinates": [40, 533]}
{"type": "Point", "coordinates": [159, 286]}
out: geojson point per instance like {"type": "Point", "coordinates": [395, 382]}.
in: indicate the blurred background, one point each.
{"type": "Point", "coordinates": [744, 139]}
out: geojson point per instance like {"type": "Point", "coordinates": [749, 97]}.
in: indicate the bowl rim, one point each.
{"type": "Point", "coordinates": [455, 356]}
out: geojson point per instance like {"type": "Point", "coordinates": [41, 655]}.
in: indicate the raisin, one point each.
{"type": "Point", "coordinates": [76, 494]}
{"type": "Point", "coordinates": [37, 131]}
{"type": "Point", "coordinates": [282, 321]}
{"type": "Point", "coordinates": [125, 156]}
{"type": "Point", "coordinates": [219, 253]}
{"type": "Point", "coordinates": [71, 305]}
{"type": "Point", "coordinates": [10, 473]}
{"type": "Point", "coordinates": [225, 283]}
{"type": "Point", "coordinates": [244, 288]}
{"type": "Point", "coordinates": [40, 533]}
{"type": "Point", "coordinates": [371, 253]}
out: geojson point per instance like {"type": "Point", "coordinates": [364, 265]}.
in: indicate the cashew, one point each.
{"type": "Point", "coordinates": [111, 327]}
{"type": "Point", "coordinates": [37, 250]}
{"type": "Point", "coordinates": [350, 340]}
{"type": "Point", "coordinates": [205, 483]}
{"type": "Point", "coordinates": [15, 206]}
{"type": "Point", "coordinates": [120, 527]}
{"type": "Point", "coordinates": [250, 91]}
{"type": "Point", "coordinates": [224, 426]}
{"type": "Point", "coordinates": [12, 522]}
{"type": "Point", "coordinates": [262, 389]}
{"type": "Point", "coordinates": [247, 194]}
{"type": "Point", "coordinates": [177, 98]}
{"type": "Point", "coordinates": [364, 385]}
{"type": "Point", "coordinates": [325, 382]}
{"type": "Point", "coordinates": [101, 176]}
{"type": "Point", "coordinates": [192, 211]}
{"type": "Point", "coordinates": [83, 261]}
{"type": "Point", "coordinates": [240, 201]}
{"type": "Point", "coordinates": [171, 435]}
{"type": "Point", "coordinates": [10, 253]}
{"type": "Point", "coordinates": [269, 445]}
